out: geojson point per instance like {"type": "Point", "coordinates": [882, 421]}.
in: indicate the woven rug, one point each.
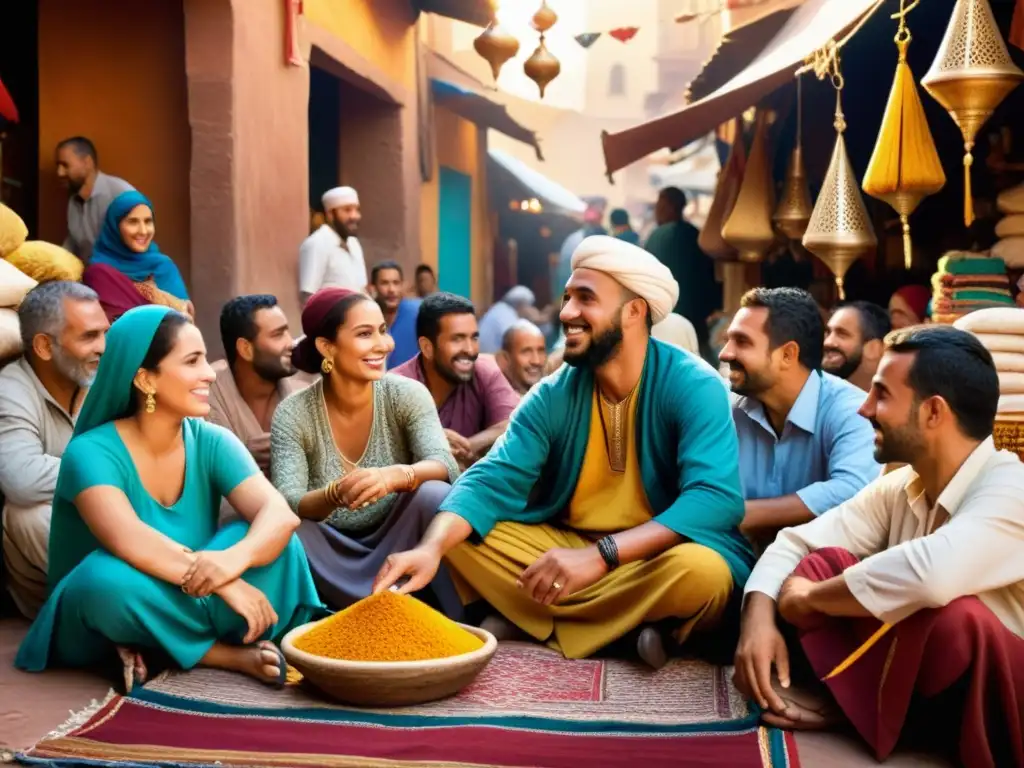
{"type": "Point", "coordinates": [530, 708]}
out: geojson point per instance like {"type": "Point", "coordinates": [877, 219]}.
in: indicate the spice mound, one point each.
{"type": "Point", "coordinates": [387, 627]}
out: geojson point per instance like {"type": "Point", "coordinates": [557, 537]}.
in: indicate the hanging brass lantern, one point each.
{"type": "Point", "coordinates": [496, 46]}
{"type": "Point", "coordinates": [545, 18]}
{"type": "Point", "coordinates": [749, 226]}
{"type": "Point", "coordinates": [905, 167]}
{"type": "Point", "coordinates": [542, 67]}
{"type": "Point", "coordinates": [840, 230]}
{"type": "Point", "coordinates": [794, 210]}
{"type": "Point", "coordinates": [971, 75]}
{"type": "Point", "coordinates": [726, 190]}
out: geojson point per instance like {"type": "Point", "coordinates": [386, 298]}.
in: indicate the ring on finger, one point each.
{"type": "Point", "coordinates": [556, 585]}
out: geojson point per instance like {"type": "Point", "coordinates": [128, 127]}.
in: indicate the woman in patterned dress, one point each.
{"type": "Point", "coordinates": [361, 455]}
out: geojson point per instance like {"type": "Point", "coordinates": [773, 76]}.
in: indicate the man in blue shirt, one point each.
{"type": "Point", "coordinates": [400, 313]}
{"type": "Point", "coordinates": [804, 449]}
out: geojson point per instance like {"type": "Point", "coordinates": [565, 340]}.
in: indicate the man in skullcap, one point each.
{"type": "Point", "coordinates": [610, 507]}
{"type": "Point", "coordinates": [332, 257]}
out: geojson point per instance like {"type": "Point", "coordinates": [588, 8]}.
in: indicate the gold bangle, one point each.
{"type": "Point", "coordinates": [410, 475]}
{"type": "Point", "coordinates": [331, 494]}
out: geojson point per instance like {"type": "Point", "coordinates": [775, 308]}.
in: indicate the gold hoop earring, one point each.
{"type": "Point", "coordinates": [327, 366]}
{"type": "Point", "coordinates": [150, 402]}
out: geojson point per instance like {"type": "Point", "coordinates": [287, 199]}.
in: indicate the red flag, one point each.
{"type": "Point", "coordinates": [8, 111]}
{"type": "Point", "coordinates": [1016, 36]}
{"type": "Point", "coordinates": [624, 34]}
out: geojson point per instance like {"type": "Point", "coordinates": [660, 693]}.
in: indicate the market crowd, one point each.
{"type": "Point", "coordinates": [832, 507]}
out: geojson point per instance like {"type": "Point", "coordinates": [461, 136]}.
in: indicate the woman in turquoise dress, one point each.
{"type": "Point", "coordinates": [137, 565]}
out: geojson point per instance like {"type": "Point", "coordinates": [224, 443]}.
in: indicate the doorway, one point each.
{"type": "Point", "coordinates": [455, 232]}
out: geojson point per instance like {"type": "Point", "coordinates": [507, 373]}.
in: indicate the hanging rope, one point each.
{"type": "Point", "coordinates": [821, 61]}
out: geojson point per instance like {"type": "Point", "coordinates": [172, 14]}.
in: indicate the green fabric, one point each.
{"type": "Point", "coordinates": [961, 264]}
{"type": "Point", "coordinates": [98, 600]}
{"type": "Point", "coordinates": [689, 457]}
{"type": "Point", "coordinates": [999, 296]}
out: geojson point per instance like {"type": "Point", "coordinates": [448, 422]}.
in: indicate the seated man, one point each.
{"type": "Point", "coordinates": [257, 374]}
{"type": "Point", "coordinates": [854, 340]}
{"type": "Point", "coordinates": [472, 396]}
{"type": "Point", "coordinates": [63, 329]}
{"type": "Point", "coordinates": [935, 550]}
{"type": "Point", "coordinates": [523, 355]}
{"type": "Point", "coordinates": [399, 313]}
{"type": "Point", "coordinates": [804, 449]}
{"type": "Point", "coordinates": [612, 502]}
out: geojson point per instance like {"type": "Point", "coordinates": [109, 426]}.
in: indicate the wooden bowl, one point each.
{"type": "Point", "coordinates": [1009, 436]}
{"type": "Point", "coordinates": [390, 683]}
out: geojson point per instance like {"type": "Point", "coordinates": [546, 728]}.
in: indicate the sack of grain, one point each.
{"type": "Point", "coordinates": [44, 262]}
{"type": "Point", "coordinates": [14, 284]}
{"type": "Point", "coordinates": [12, 230]}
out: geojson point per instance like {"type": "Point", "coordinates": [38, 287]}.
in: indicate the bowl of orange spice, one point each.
{"type": "Point", "coordinates": [388, 650]}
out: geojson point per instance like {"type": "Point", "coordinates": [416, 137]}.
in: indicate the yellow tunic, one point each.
{"type": "Point", "coordinates": [688, 582]}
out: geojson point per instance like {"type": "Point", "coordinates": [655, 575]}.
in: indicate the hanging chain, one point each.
{"type": "Point", "coordinates": [836, 76]}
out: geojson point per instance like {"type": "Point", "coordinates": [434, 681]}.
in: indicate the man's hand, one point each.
{"type": "Point", "coordinates": [259, 447]}
{"type": "Point", "coordinates": [761, 647]}
{"type": "Point", "coordinates": [252, 605]}
{"type": "Point", "coordinates": [212, 570]}
{"type": "Point", "coordinates": [559, 573]}
{"type": "Point", "coordinates": [461, 448]}
{"type": "Point", "coordinates": [418, 565]}
{"type": "Point", "coordinates": [794, 605]}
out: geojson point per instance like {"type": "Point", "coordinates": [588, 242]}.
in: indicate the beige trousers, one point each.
{"type": "Point", "coordinates": [26, 540]}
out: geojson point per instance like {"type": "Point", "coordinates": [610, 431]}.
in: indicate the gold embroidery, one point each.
{"type": "Point", "coordinates": [615, 428]}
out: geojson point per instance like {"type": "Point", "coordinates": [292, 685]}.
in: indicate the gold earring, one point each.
{"type": "Point", "coordinates": [327, 366]}
{"type": "Point", "coordinates": [150, 402]}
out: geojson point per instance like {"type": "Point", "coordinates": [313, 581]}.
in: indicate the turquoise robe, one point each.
{"type": "Point", "coordinates": [98, 601]}
{"type": "Point", "coordinates": [689, 456]}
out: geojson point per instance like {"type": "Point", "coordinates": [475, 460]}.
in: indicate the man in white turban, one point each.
{"type": "Point", "coordinates": [610, 507]}
{"type": "Point", "coordinates": [332, 257]}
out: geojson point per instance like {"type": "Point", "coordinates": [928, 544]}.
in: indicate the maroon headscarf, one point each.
{"type": "Point", "coordinates": [305, 356]}
{"type": "Point", "coordinates": [917, 297]}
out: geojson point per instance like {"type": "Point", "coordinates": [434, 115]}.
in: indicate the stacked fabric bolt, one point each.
{"type": "Point", "coordinates": [966, 282]}
{"type": "Point", "coordinates": [1010, 229]}
{"type": "Point", "coordinates": [1001, 331]}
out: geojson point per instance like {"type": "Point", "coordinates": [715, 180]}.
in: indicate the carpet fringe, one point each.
{"type": "Point", "coordinates": [80, 718]}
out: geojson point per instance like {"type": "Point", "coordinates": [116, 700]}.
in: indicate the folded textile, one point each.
{"type": "Point", "coordinates": [1001, 342]}
{"type": "Point", "coordinates": [1011, 383]}
{"type": "Point", "coordinates": [1010, 226]}
{"type": "Point", "coordinates": [1008, 321]}
{"type": "Point", "coordinates": [973, 294]}
{"type": "Point", "coordinates": [1008, 362]}
{"type": "Point", "coordinates": [947, 279]}
{"type": "Point", "coordinates": [971, 264]}
{"type": "Point", "coordinates": [1013, 403]}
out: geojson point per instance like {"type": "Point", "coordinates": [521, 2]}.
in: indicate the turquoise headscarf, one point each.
{"type": "Point", "coordinates": [109, 398]}
{"type": "Point", "coordinates": [128, 341]}
{"type": "Point", "coordinates": [111, 250]}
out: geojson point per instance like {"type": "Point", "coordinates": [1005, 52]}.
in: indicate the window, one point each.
{"type": "Point", "coordinates": [617, 80]}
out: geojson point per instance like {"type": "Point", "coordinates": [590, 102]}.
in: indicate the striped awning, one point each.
{"type": "Point", "coordinates": [808, 29]}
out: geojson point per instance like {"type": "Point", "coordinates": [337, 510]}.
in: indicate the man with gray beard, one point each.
{"type": "Point", "coordinates": [63, 331]}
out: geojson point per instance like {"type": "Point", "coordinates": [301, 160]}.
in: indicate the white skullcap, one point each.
{"type": "Point", "coordinates": [677, 330]}
{"type": "Point", "coordinates": [519, 295]}
{"type": "Point", "coordinates": [333, 198]}
{"type": "Point", "coordinates": [632, 267]}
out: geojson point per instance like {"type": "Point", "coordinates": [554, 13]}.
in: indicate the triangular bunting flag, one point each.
{"type": "Point", "coordinates": [624, 34]}
{"type": "Point", "coordinates": [587, 39]}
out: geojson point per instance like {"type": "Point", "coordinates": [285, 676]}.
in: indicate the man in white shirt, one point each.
{"type": "Point", "coordinates": [912, 592]}
{"type": "Point", "coordinates": [332, 257]}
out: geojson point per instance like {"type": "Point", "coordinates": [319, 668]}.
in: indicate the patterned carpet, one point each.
{"type": "Point", "coordinates": [530, 707]}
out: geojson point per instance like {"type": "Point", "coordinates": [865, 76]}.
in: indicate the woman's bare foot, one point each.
{"type": "Point", "coordinates": [262, 661]}
{"type": "Point", "coordinates": [133, 667]}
